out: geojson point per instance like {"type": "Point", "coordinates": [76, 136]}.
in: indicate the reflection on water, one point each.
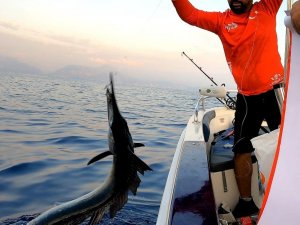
{"type": "Point", "coordinates": [51, 128]}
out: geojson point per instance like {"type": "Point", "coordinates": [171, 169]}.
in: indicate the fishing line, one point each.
{"type": "Point", "coordinates": [154, 11]}
{"type": "Point", "coordinates": [144, 28]}
{"type": "Point", "coordinates": [246, 65]}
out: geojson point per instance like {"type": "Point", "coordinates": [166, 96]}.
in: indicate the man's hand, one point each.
{"type": "Point", "coordinates": [295, 16]}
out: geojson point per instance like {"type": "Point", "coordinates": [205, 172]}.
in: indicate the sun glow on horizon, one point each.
{"type": "Point", "coordinates": [140, 36]}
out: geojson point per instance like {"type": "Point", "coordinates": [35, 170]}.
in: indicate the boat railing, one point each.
{"type": "Point", "coordinates": [280, 92]}
{"type": "Point", "coordinates": [218, 92]}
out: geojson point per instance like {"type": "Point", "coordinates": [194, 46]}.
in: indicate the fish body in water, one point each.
{"type": "Point", "coordinates": [113, 194]}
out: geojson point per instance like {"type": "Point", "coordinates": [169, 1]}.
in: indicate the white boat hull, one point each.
{"type": "Point", "coordinates": [196, 187]}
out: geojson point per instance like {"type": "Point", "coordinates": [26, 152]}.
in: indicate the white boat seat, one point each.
{"type": "Point", "coordinates": [206, 121]}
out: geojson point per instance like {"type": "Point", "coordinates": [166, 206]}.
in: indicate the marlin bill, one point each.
{"type": "Point", "coordinates": [112, 195]}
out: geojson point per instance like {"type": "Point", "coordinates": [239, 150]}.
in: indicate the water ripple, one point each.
{"type": "Point", "coordinates": [22, 169]}
{"type": "Point", "coordinates": [50, 128]}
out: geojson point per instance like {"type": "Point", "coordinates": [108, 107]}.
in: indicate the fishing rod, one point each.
{"type": "Point", "coordinates": [211, 79]}
{"type": "Point", "coordinates": [232, 101]}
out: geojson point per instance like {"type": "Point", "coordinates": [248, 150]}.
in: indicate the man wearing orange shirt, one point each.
{"type": "Point", "coordinates": [248, 34]}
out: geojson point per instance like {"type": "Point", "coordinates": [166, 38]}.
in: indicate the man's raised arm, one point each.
{"type": "Point", "coordinates": [295, 16]}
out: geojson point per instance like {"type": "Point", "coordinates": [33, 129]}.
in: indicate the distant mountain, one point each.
{"type": "Point", "coordinates": [10, 65]}
{"type": "Point", "coordinates": [76, 72]}
{"type": "Point", "coordinates": [99, 74]}
{"type": "Point", "coordinates": [80, 72]}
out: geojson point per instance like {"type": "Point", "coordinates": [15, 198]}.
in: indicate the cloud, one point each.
{"type": "Point", "coordinates": [125, 61]}
{"type": "Point", "coordinates": [8, 26]}
{"type": "Point", "coordinates": [44, 36]}
{"type": "Point", "coordinates": [51, 50]}
{"type": "Point", "coordinates": [30, 45]}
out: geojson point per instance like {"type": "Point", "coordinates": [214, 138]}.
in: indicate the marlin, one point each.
{"type": "Point", "coordinates": [112, 195]}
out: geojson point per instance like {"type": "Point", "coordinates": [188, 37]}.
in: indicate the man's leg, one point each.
{"type": "Point", "coordinates": [247, 124]}
{"type": "Point", "coordinates": [243, 173]}
{"type": "Point", "coordinates": [272, 111]}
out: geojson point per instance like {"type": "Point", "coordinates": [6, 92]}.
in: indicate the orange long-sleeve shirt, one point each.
{"type": "Point", "coordinates": [249, 41]}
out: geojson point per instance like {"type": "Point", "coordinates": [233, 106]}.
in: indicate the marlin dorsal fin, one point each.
{"type": "Point", "coordinates": [100, 156]}
{"type": "Point", "coordinates": [136, 145]}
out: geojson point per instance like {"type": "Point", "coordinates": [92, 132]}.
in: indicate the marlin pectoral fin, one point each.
{"type": "Point", "coordinates": [100, 156]}
{"type": "Point", "coordinates": [141, 166]}
{"type": "Point", "coordinates": [136, 145]}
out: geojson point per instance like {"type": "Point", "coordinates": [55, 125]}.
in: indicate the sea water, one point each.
{"type": "Point", "coordinates": [50, 128]}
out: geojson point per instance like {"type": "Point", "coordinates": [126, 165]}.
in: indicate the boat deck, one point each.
{"type": "Point", "coordinates": [193, 195]}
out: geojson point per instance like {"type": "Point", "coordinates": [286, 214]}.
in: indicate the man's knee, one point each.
{"type": "Point", "coordinates": [243, 145]}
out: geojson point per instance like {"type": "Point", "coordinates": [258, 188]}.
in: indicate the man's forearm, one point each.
{"type": "Point", "coordinates": [184, 9]}
{"type": "Point", "coordinates": [295, 16]}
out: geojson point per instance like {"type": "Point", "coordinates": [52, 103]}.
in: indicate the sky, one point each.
{"type": "Point", "coordinates": [140, 38]}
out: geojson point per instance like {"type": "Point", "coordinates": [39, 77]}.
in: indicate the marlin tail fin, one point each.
{"type": "Point", "coordinates": [141, 166]}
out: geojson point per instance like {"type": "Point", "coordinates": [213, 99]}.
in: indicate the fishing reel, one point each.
{"type": "Point", "coordinates": [215, 91]}
{"type": "Point", "coordinates": [218, 92]}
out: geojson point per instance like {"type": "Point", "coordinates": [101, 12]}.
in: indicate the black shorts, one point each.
{"type": "Point", "coordinates": [249, 115]}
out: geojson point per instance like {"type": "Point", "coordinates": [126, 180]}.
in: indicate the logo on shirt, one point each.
{"type": "Point", "coordinates": [277, 78]}
{"type": "Point", "coordinates": [231, 26]}
{"type": "Point", "coordinates": [253, 17]}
